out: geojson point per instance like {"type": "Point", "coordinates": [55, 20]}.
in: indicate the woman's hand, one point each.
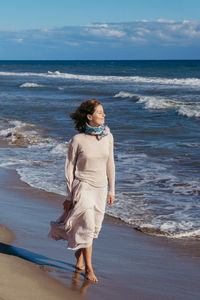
{"type": "Point", "coordinates": [110, 199]}
{"type": "Point", "coordinates": [67, 205]}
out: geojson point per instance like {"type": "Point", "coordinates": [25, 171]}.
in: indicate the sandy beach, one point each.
{"type": "Point", "coordinates": [127, 262]}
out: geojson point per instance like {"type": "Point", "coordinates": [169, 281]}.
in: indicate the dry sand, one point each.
{"type": "Point", "coordinates": [24, 280]}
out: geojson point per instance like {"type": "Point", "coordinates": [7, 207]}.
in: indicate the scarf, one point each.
{"type": "Point", "coordinates": [99, 131]}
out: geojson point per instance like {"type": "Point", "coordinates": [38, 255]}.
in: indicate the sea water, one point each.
{"type": "Point", "coordinates": [153, 111]}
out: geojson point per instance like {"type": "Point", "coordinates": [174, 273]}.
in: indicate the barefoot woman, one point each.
{"type": "Point", "coordinates": [89, 169]}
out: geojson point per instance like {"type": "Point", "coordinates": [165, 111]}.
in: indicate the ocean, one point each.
{"type": "Point", "coordinates": [153, 111]}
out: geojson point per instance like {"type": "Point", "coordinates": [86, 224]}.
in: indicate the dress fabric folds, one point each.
{"type": "Point", "coordinates": [83, 222]}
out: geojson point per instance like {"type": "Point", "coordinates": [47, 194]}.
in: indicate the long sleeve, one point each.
{"type": "Point", "coordinates": [110, 170]}
{"type": "Point", "coordinates": [70, 166]}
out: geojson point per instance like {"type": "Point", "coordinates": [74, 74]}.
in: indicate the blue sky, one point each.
{"type": "Point", "coordinates": [86, 29]}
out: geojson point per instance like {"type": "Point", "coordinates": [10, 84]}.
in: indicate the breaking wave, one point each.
{"type": "Point", "coordinates": [190, 112]}
{"type": "Point", "coordinates": [139, 79]}
{"type": "Point", "coordinates": [31, 85]}
{"type": "Point", "coordinates": [189, 109]}
{"type": "Point", "coordinates": [124, 95]}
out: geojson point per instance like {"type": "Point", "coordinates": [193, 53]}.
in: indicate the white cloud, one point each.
{"type": "Point", "coordinates": [107, 32]}
{"type": "Point", "coordinates": [165, 21]}
{"type": "Point", "coordinates": [156, 32]}
{"type": "Point", "coordinates": [175, 27]}
{"type": "Point", "coordinates": [186, 21]}
{"type": "Point", "coordinates": [138, 39]}
{"type": "Point", "coordinates": [191, 33]}
{"type": "Point", "coordinates": [97, 25]}
{"type": "Point", "coordinates": [143, 33]}
{"type": "Point", "coordinates": [115, 33]}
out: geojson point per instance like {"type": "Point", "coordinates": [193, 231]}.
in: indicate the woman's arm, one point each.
{"type": "Point", "coordinates": [111, 168]}
{"type": "Point", "coordinates": [70, 166]}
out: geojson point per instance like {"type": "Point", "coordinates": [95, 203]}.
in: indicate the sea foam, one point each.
{"type": "Point", "coordinates": [171, 229]}
{"type": "Point", "coordinates": [151, 102]}
{"type": "Point", "coordinates": [190, 111]}
{"type": "Point", "coordinates": [24, 134]}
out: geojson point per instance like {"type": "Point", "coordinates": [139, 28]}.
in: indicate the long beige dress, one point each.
{"type": "Point", "coordinates": [89, 169]}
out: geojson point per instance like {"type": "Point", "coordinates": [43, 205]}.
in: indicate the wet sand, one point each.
{"type": "Point", "coordinates": [129, 264]}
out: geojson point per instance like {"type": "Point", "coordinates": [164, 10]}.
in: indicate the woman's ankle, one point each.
{"type": "Point", "coordinates": [89, 269]}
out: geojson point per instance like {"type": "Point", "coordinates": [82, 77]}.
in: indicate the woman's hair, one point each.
{"type": "Point", "coordinates": [80, 115]}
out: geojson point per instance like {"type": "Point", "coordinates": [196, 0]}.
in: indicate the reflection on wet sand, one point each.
{"type": "Point", "coordinates": [76, 280]}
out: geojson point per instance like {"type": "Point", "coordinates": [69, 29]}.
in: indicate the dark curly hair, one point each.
{"type": "Point", "coordinates": [80, 115]}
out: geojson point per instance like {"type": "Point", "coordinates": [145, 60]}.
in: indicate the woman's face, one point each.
{"type": "Point", "coordinates": [98, 117]}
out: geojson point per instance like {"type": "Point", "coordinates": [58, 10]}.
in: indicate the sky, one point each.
{"type": "Point", "coordinates": [93, 29]}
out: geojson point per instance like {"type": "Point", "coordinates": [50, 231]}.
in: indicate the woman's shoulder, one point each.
{"type": "Point", "coordinates": [108, 132]}
{"type": "Point", "coordinates": [110, 135]}
{"type": "Point", "coordinates": [78, 137]}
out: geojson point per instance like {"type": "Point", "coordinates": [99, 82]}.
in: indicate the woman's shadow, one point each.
{"type": "Point", "coordinates": [46, 264]}
{"type": "Point", "coordinates": [36, 258]}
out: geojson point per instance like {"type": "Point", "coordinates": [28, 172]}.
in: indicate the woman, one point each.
{"type": "Point", "coordinates": [89, 169]}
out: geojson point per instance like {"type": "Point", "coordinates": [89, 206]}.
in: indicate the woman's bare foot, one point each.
{"type": "Point", "coordinates": [89, 274]}
{"type": "Point", "coordinates": [79, 256]}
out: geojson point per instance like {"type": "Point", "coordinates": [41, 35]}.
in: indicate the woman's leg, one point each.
{"type": "Point", "coordinates": [79, 257]}
{"type": "Point", "coordinates": [89, 273]}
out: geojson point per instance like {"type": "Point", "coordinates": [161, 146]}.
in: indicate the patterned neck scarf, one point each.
{"type": "Point", "coordinates": [99, 131]}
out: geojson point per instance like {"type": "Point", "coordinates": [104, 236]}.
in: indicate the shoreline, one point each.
{"type": "Point", "coordinates": [126, 261]}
